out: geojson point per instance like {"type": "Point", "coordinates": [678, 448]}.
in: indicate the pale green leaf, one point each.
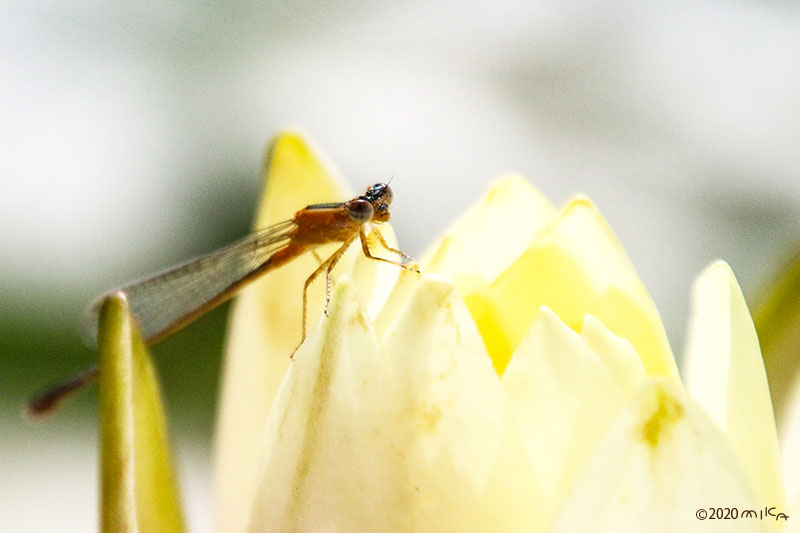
{"type": "Point", "coordinates": [777, 320]}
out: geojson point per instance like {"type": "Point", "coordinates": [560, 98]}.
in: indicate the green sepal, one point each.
{"type": "Point", "coordinates": [777, 321]}
{"type": "Point", "coordinates": [138, 489]}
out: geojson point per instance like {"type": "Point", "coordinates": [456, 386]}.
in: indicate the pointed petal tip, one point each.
{"type": "Point", "coordinates": [346, 306]}
{"type": "Point", "coordinates": [297, 145]}
{"type": "Point", "coordinates": [289, 138]}
{"type": "Point", "coordinates": [716, 267]}
{"type": "Point", "coordinates": [435, 289]}
{"type": "Point", "coordinates": [344, 290]}
{"type": "Point", "coordinates": [580, 201]}
{"type": "Point", "coordinates": [545, 312]}
{"type": "Point", "coordinates": [714, 277]}
{"type": "Point", "coordinates": [508, 184]}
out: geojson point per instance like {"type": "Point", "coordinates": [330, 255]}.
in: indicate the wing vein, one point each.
{"type": "Point", "coordinates": [173, 297]}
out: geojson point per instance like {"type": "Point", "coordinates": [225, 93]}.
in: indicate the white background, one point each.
{"type": "Point", "coordinates": [128, 128]}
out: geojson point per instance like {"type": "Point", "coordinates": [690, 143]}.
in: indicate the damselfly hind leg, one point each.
{"type": "Point", "coordinates": [326, 266]}
{"type": "Point", "coordinates": [333, 260]}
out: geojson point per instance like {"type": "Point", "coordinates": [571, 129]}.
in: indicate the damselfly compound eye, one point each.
{"type": "Point", "coordinates": [360, 210]}
{"type": "Point", "coordinates": [380, 191]}
{"type": "Point", "coordinates": [388, 195]}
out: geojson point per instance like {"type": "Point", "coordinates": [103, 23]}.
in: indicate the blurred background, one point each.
{"type": "Point", "coordinates": [132, 135]}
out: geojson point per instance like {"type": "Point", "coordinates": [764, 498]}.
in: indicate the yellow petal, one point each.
{"type": "Point", "coordinates": [138, 490]}
{"type": "Point", "coordinates": [576, 266]}
{"type": "Point", "coordinates": [405, 285]}
{"type": "Point", "coordinates": [329, 461]}
{"type": "Point", "coordinates": [265, 328]}
{"type": "Point", "coordinates": [790, 444]}
{"type": "Point", "coordinates": [563, 399]}
{"type": "Point", "coordinates": [466, 465]}
{"type": "Point", "coordinates": [791, 525]}
{"type": "Point", "coordinates": [725, 374]}
{"type": "Point", "coordinates": [617, 353]}
{"type": "Point", "coordinates": [483, 243]}
{"type": "Point", "coordinates": [497, 230]}
{"type": "Point", "coordinates": [661, 462]}
{"type": "Point", "coordinates": [453, 261]}
{"type": "Point", "coordinates": [437, 363]}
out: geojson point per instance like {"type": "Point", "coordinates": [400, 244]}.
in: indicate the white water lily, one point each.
{"type": "Point", "coordinates": [523, 382]}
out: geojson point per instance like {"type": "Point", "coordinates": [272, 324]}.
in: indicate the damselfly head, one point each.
{"type": "Point", "coordinates": [380, 197]}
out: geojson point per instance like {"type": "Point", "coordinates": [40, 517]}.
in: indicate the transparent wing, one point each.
{"type": "Point", "coordinates": [170, 299]}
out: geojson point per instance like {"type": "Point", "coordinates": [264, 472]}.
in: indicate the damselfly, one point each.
{"type": "Point", "coordinates": [169, 300]}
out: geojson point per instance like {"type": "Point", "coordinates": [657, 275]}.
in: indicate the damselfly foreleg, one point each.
{"type": "Point", "coordinates": [388, 248]}
{"type": "Point", "coordinates": [365, 248]}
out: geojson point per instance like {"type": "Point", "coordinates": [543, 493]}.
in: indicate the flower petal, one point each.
{"type": "Point", "coordinates": [329, 461]}
{"type": "Point", "coordinates": [362, 442]}
{"type": "Point", "coordinates": [453, 261]}
{"type": "Point", "coordinates": [563, 399]}
{"type": "Point", "coordinates": [482, 244]}
{"type": "Point", "coordinates": [725, 374]}
{"type": "Point", "coordinates": [442, 378]}
{"type": "Point", "coordinates": [405, 285]}
{"type": "Point", "coordinates": [790, 445]}
{"type": "Point", "coordinates": [617, 353]}
{"type": "Point", "coordinates": [576, 266]}
{"type": "Point", "coordinates": [138, 488]}
{"type": "Point", "coordinates": [792, 524]}
{"type": "Point", "coordinates": [497, 230]}
{"type": "Point", "coordinates": [660, 467]}
{"type": "Point", "coordinates": [265, 328]}
{"type": "Point", "coordinates": [465, 471]}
